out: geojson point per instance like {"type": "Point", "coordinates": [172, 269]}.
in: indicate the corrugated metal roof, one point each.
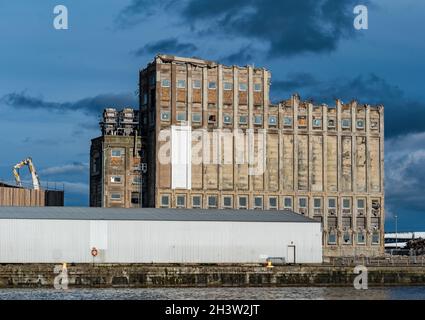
{"type": "Point", "coordinates": [157, 214]}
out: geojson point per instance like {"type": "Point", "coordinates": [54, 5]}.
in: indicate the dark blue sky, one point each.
{"type": "Point", "coordinates": [53, 83]}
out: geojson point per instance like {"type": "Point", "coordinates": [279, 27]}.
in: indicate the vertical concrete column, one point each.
{"type": "Point", "coordinates": [368, 171]}
{"type": "Point", "coordinates": [381, 145]}
{"type": "Point", "coordinates": [310, 158]}
{"type": "Point", "coordinates": [265, 77]}
{"type": "Point", "coordinates": [353, 149]}
{"type": "Point", "coordinates": [235, 126]}
{"type": "Point", "coordinates": [189, 94]}
{"type": "Point", "coordinates": [205, 136]}
{"type": "Point", "coordinates": [250, 97]}
{"type": "Point", "coordinates": [295, 104]}
{"type": "Point", "coordinates": [325, 170]}
{"type": "Point", "coordinates": [266, 101]}
{"type": "Point", "coordinates": [173, 94]}
{"type": "Point", "coordinates": [154, 163]}
{"type": "Point", "coordinates": [368, 164]}
{"type": "Point", "coordinates": [219, 92]}
{"type": "Point", "coordinates": [310, 149]}
{"type": "Point", "coordinates": [189, 116]}
{"type": "Point", "coordinates": [339, 173]}
{"type": "Point", "coordinates": [325, 148]}
{"type": "Point", "coordinates": [281, 155]}
{"type": "Point", "coordinates": [250, 121]}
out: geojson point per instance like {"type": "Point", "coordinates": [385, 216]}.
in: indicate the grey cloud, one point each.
{"type": "Point", "coordinates": [167, 46]}
{"type": "Point", "coordinates": [76, 167]}
{"type": "Point", "coordinates": [295, 81]}
{"type": "Point", "coordinates": [241, 57]}
{"type": "Point", "coordinates": [137, 10]}
{"type": "Point", "coordinates": [91, 105]}
{"type": "Point", "coordinates": [286, 27]}
{"type": "Point", "coordinates": [405, 172]}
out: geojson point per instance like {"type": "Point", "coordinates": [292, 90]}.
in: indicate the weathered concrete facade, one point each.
{"type": "Point", "coordinates": [321, 161]}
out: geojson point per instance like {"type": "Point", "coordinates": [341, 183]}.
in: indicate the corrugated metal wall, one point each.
{"type": "Point", "coordinates": [56, 241]}
{"type": "Point", "coordinates": [11, 196]}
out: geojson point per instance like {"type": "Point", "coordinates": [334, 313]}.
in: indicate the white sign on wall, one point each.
{"type": "Point", "coordinates": [181, 155]}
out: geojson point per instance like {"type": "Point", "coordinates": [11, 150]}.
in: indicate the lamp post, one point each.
{"type": "Point", "coordinates": [396, 234]}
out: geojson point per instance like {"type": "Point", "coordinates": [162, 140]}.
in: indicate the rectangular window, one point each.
{"type": "Point", "coordinates": [181, 84]}
{"type": "Point", "coordinates": [137, 180]}
{"type": "Point", "coordinates": [375, 237]}
{"type": "Point", "coordinates": [135, 197]}
{"type": "Point", "coordinates": [227, 202]}
{"type": "Point", "coordinates": [302, 122]}
{"type": "Point", "coordinates": [360, 124]}
{"type": "Point", "coordinates": [165, 201]}
{"type": "Point", "coordinates": [258, 203]}
{"type": "Point", "coordinates": [212, 201]}
{"type": "Point", "coordinates": [257, 87]}
{"type": "Point", "coordinates": [243, 202]}
{"type": "Point", "coordinates": [116, 196]}
{"type": "Point", "coordinates": [181, 201]}
{"type": "Point", "coordinates": [196, 117]}
{"type": "Point", "coordinates": [273, 203]}
{"type": "Point", "coordinates": [227, 119]}
{"type": "Point", "coordinates": [196, 202]}
{"type": "Point", "coordinates": [196, 84]}
{"type": "Point", "coordinates": [332, 203]}
{"type": "Point", "coordinates": [287, 203]}
{"type": "Point", "coordinates": [332, 237]}
{"type": "Point", "coordinates": [317, 202]}
{"type": "Point", "coordinates": [243, 86]}
{"type": "Point", "coordinates": [317, 122]}
{"type": "Point", "coordinates": [346, 123]}
{"type": "Point", "coordinates": [346, 237]}
{"type": "Point", "coordinates": [116, 179]}
{"type": "Point", "coordinates": [360, 203]}
{"type": "Point", "coordinates": [361, 239]}
{"type": "Point", "coordinates": [346, 203]}
{"type": "Point", "coordinates": [165, 83]}
{"type": "Point", "coordinates": [243, 119]}
{"type": "Point", "coordinates": [331, 123]}
{"type": "Point", "coordinates": [145, 98]}
{"type": "Point", "coordinates": [212, 85]}
{"type": "Point", "coordinates": [228, 86]}
{"type": "Point", "coordinates": [212, 118]}
{"type": "Point", "coordinates": [272, 120]}
{"type": "Point", "coordinates": [116, 153]}
{"type": "Point", "coordinates": [181, 116]}
{"type": "Point", "coordinates": [287, 121]}
{"type": "Point", "coordinates": [258, 120]}
{"type": "Point", "coordinates": [165, 115]}
{"type": "Point", "coordinates": [302, 202]}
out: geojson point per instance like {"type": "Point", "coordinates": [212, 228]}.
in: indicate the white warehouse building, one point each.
{"type": "Point", "coordinates": [150, 235]}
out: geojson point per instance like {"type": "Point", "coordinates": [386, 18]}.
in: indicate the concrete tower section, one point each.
{"type": "Point", "coordinates": [116, 161]}
{"type": "Point", "coordinates": [214, 140]}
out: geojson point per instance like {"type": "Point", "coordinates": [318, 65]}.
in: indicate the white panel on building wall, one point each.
{"type": "Point", "coordinates": [99, 234]}
{"type": "Point", "coordinates": [181, 156]}
{"type": "Point", "coordinates": [56, 241]}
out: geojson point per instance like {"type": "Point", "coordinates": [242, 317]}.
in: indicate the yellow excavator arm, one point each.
{"type": "Point", "coordinates": [34, 176]}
